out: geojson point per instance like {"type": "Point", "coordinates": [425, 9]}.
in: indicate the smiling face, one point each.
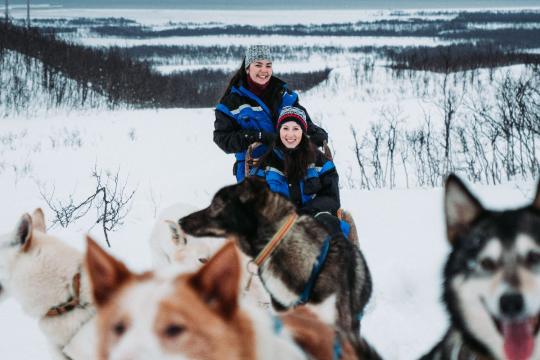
{"type": "Point", "coordinates": [191, 316]}
{"type": "Point", "coordinates": [499, 294]}
{"type": "Point", "coordinates": [290, 134]}
{"type": "Point", "coordinates": [260, 71]}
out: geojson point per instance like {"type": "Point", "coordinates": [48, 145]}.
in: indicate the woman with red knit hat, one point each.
{"type": "Point", "coordinates": [296, 169]}
{"type": "Point", "coordinates": [248, 110]}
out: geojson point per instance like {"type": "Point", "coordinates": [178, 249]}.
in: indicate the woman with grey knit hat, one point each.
{"type": "Point", "coordinates": [249, 109]}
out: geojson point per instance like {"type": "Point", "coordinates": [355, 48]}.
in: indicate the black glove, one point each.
{"type": "Point", "coordinates": [250, 135]}
{"type": "Point", "coordinates": [259, 136]}
{"type": "Point", "coordinates": [330, 222]}
{"type": "Point", "coordinates": [318, 138]}
{"type": "Point", "coordinates": [267, 137]}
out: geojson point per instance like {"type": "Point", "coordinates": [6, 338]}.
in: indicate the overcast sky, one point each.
{"type": "Point", "coordinates": [285, 4]}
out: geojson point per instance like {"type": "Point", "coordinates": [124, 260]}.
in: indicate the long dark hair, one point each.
{"type": "Point", "coordinates": [239, 75]}
{"type": "Point", "coordinates": [297, 160]}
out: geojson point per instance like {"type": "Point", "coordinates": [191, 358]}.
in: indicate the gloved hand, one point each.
{"type": "Point", "coordinates": [259, 136]}
{"type": "Point", "coordinates": [318, 137]}
{"type": "Point", "coordinates": [267, 138]}
{"type": "Point", "coordinates": [329, 221]}
{"type": "Point", "coordinates": [251, 136]}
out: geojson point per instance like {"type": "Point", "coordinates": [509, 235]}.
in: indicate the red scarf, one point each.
{"type": "Point", "coordinates": [255, 88]}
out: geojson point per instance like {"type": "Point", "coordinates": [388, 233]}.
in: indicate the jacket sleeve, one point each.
{"type": "Point", "coordinates": [326, 199]}
{"type": "Point", "coordinates": [316, 134]}
{"type": "Point", "coordinates": [229, 136]}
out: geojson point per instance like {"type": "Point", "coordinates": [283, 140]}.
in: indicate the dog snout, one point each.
{"type": "Point", "coordinates": [511, 304]}
{"type": "Point", "coordinates": [191, 223]}
{"type": "Point", "coordinates": [180, 222]}
{"type": "Point", "coordinates": [184, 223]}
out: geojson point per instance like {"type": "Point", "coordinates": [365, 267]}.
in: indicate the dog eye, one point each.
{"type": "Point", "coordinates": [216, 206]}
{"type": "Point", "coordinates": [119, 328]}
{"type": "Point", "coordinates": [488, 265]}
{"type": "Point", "coordinates": [532, 259]}
{"type": "Point", "coordinates": [173, 330]}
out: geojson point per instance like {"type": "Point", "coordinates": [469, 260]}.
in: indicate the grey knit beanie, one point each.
{"type": "Point", "coordinates": [257, 52]}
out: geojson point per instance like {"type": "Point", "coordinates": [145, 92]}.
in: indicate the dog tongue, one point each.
{"type": "Point", "coordinates": [518, 339]}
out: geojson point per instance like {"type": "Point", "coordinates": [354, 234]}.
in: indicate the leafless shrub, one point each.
{"type": "Point", "coordinates": [111, 200]}
{"type": "Point", "coordinates": [493, 139]}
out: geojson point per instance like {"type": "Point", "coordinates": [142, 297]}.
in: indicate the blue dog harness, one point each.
{"type": "Point", "coordinates": [315, 271]}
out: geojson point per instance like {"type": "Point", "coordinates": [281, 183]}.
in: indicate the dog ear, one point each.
{"type": "Point", "coordinates": [251, 188]}
{"type": "Point", "coordinates": [38, 219]}
{"type": "Point", "coordinates": [23, 232]}
{"type": "Point", "coordinates": [460, 206]}
{"type": "Point", "coordinates": [218, 281]}
{"type": "Point", "coordinates": [106, 273]}
{"type": "Point", "coordinates": [178, 236]}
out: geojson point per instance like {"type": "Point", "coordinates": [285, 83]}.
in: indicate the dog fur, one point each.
{"type": "Point", "coordinates": [170, 245]}
{"type": "Point", "coordinates": [196, 315]}
{"type": "Point", "coordinates": [252, 214]}
{"type": "Point", "coordinates": [491, 280]}
{"type": "Point", "coordinates": [37, 269]}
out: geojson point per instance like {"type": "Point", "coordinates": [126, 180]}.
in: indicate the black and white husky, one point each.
{"type": "Point", "coordinates": [253, 215]}
{"type": "Point", "coordinates": [491, 280]}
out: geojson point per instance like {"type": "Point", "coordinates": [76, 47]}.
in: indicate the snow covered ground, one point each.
{"type": "Point", "coordinates": [168, 156]}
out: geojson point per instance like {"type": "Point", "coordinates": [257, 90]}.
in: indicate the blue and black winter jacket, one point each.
{"type": "Point", "coordinates": [317, 192]}
{"type": "Point", "coordinates": [241, 115]}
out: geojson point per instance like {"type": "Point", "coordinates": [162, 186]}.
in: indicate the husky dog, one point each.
{"type": "Point", "coordinates": [46, 277]}
{"type": "Point", "coordinates": [253, 214]}
{"type": "Point", "coordinates": [196, 315]}
{"type": "Point", "coordinates": [492, 279]}
{"type": "Point", "coordinates": [171, 245]}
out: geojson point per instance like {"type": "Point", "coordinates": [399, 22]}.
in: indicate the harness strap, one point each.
{"type": "Point", "coordinates": [250, 160]}
{"type": "Point", "coordinates": [73, 301]}
{"type": "Point", "coordinates": [338, 349]}
{"type": "Point", "coordinates": [276, 239]}
{"type": "Point", "coordinates": [269, 248]}
{"type": "Point", "coordinates": [315, 271]}
{"type": "Point", "coordinates": [278, 325]}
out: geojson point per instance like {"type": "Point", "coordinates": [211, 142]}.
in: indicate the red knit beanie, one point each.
{"type": "Point", "coordinates": [291, 113]}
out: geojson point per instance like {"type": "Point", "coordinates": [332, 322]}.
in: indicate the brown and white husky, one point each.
{"type": "Point", "coordinates": [197, 315]}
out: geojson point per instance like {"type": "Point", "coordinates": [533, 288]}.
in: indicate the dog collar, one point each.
{"type": "Point", "coordinates": [73, 301]}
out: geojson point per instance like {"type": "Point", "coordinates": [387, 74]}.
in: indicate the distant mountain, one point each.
{"type": "Point", "coordinates": [287, 4]}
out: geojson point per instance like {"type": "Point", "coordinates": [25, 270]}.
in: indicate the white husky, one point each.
{"type": "Point", "coordinates": [170, 245]}
{"type": "Point", "coordinates": [46, 277]}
